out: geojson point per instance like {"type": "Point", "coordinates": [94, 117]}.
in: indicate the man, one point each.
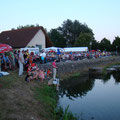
{"type": "Point", "coordinates": [54, 69]}
{"type": "Point", "coordinates": [43, 56]}
{"type": "Point", "coordinates": [21, 62]}
{"type": "Point", "coordinates": [13, 59]}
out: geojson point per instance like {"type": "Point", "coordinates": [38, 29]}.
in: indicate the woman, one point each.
{"type": "Point", "coordinates": [54, 69]}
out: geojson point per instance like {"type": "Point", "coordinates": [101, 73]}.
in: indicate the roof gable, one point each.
{"type": "Point", "coordinates": [21, 37]}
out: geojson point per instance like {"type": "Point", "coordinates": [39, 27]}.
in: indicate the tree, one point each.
{"type": "Point", "coordinates": [27, 26]}
{"type": "Point", "coordinates": [71, 31]}
{"type": "Point", "coordinates": [84, 40]}
{"type": "Point", "coordinates": [66, 31]}
{"type": "Point", "coordinates": [57, 39]}
{"type": "Point", "coordinates": [95, 45]}
{"type": "Point", "coordinates": [116, 44]}
{"type": "Point", "coordinates": [105, 45]}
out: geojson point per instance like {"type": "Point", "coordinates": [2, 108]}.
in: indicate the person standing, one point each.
{"type": "Point", "coordinates": [43, 56]}
{"type": "Point", "coordinates": [21, 62]}
{"type": "Point", "coordinates": [12, 59]}
{"type": "Point", "coordinates": [54, 69]}
{"type": "Point", "coordinates": [0, 61]}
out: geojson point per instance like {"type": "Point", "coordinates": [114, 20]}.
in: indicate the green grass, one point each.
{"type": "Point", "coordinates": [46, 94]}
{"type": "Point", "coordinates": [64, 115]}
{"type": "Point", "coordinates": [107, 66]}
{"type": "Point", "coordinates": [75, 75]}
{"type": "Point", "coordinates": [8, 81]}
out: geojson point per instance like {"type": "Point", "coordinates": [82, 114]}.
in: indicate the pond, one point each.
{"type": "Point", "coordinates": [92, 98]}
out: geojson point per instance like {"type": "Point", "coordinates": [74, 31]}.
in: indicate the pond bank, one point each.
{"type": "Point", "coordinates": [81, 66]}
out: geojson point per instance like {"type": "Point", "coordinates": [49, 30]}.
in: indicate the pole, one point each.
{"type": "Point", "coordinates": [90, 49]}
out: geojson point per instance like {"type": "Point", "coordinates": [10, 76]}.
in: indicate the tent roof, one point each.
{"type": "Point", "coordinates": [52, 48]}
{"type": "Point", "coordinates": [75, 49]}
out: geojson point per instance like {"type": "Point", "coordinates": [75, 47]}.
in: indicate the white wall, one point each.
{"type": "Point", "coordinates": [38, 39]}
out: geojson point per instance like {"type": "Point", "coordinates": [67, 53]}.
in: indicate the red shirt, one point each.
{"type": "Point", "coordinates": [28, 70]}
{"type": "Point", "coordinates": [48, 72]}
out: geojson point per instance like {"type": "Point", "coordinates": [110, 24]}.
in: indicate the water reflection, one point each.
{"type": "Point", "coordinates": [106, 77]}
{"type": "Point", "coordinates": [116, 75]}
{"type": "Point", "coordinates": [79, 86]}
{"type": "Point", "coordinates": [94, 96]}
{"type": "Point", "coordinates": [76, 87]}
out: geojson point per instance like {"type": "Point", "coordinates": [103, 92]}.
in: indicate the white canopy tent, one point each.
{"type": "Point", "coordinates": [34, 50]}
{"type": "Point", "coordinates": [69, 49]}
{"type": "Point", "coordinates": [76, 49]}
{"type": "Point", "coordinates": [52, 48]}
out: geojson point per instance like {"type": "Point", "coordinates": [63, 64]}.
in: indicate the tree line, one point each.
{"type": "Point", "coordinates": [75, 34]}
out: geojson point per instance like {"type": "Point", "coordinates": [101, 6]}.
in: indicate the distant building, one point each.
{"type": "Point", "coordinates": [26, 37]}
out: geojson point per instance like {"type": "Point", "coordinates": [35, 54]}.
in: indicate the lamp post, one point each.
{"type": "Point", "coordinates": [90, 49]}
{"type": "Point", "coordinates": [90, 46]}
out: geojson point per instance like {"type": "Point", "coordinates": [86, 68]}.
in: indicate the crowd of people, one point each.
{"type": "Point", "coordinates": [26, 61]}
{"type": "Point", "coordinates": [35, 73]}
{"type": "Point", "coordinates": [66, 56]}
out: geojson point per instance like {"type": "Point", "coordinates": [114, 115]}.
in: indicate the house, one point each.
{"type": "Point", "coordinates": [26, 37]}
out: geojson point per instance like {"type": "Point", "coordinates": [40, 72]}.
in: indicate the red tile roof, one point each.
{"type": "Point", "coordinates": [21, 37]}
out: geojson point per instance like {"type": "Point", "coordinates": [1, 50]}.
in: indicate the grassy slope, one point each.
{"type": "Point", "coordinates": [20, 100]}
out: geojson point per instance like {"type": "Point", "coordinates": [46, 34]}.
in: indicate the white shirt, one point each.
{"type": "Point", "coordinates": [21, 58]}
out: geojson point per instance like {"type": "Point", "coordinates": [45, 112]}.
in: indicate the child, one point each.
{"type": "Point", "coordinates": [29, 77]}
{"type": "Point", "coordinates": [35, 71]}
{"type": "Point", "coordinates": [29, 74]}
{"type": "Point", "coordinates": [49, 72]}
{"type": "Point", "coordinates": [35, 74]}
{"type": "Point", "coordinates": [37, 68]}
{"type": "Point", "coordinates": [41, 75]}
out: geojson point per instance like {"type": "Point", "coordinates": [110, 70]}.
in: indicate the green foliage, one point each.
{"type": "Point", "coordinates": [84, 39]}
{"type": "Point", "coordinates": [108, 66]}
{"type": "Point", "coordinates": [68, 33]}
{"type": "Point", "coordinates": [116, 44]}
{"type": "Point", "coordinates": [26, 26]}
{"type": "Point", "coordinates": [64, 115]}
{"type": "Point", "coordinates": [47, 95]}
{"type": "Point", "coordinates": [105, 45]}
{"type": "Point", "coordinates": [95, 45]}
{"type": "Point", "coordinates": [57, 39]}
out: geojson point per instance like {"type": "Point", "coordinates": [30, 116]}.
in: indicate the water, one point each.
{"type": "Point", "coordinates": [91, 98]}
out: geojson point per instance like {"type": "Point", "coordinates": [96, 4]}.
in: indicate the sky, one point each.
{"type": "Point", "coordinates": [102, 16]}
